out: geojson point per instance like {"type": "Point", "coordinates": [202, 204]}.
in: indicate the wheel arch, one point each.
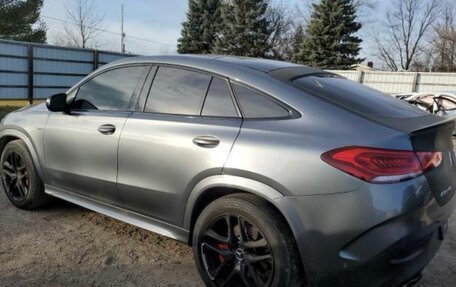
{"type": "Point", "coordinates": [8, 135]}
{"type": "Point", "coordinates": [217, 186]}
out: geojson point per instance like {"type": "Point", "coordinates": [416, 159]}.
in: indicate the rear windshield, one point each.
{"type": "Point", "coordinates": [357, 97]}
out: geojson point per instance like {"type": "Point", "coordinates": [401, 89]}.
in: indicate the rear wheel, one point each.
{"type": "Point", "coordinates": [21, 183]}
{"type": "Point", "coordinates": [240, 240]}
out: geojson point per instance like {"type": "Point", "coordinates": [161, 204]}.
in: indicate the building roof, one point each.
{"type": "Point", "coordinates": [363, 68]}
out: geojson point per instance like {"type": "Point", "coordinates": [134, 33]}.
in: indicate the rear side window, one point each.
{"type": "Point", "coordinates": [218, 101]}
{"type": "Point", "coordinates": [255, 105]}
{"type": "Point", "coordinates": [177, 91]}
{"type": "Point", "coordinates": [112, 90]}
{"type": "Point", "coordinates": [357, 97]}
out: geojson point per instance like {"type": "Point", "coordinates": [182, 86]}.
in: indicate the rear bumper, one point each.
{"type": "Point", "coordinates": [395, 266]}
{"type": "Point", "coordinates": [377, 235]}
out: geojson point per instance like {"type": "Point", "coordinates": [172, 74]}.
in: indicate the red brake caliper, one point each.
{"type": "Point", "coordinates": [222, 246]}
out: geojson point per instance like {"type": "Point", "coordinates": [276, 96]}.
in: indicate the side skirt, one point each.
{"type": "Point", "coordinates": [121, 214]}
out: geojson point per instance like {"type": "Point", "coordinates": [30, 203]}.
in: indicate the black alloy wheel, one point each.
{"type": "Point", "coordinates": [241, 240]}
{"type": "Point", "coordinates": [20, 179]}
{"type": "Point", "coordinates": [15, 177]}
{"type": "Point", "coordinates": [236, 253]}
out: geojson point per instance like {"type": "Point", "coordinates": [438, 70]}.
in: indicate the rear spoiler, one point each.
{"type": "Point", "coordinates": [435, 137]}
{"type": "Point", "coordinates": [411, 125]}
{"type": "Point", "coordinates": [290, 74]}
{"type": "Point", "coordinates": [428, 133]}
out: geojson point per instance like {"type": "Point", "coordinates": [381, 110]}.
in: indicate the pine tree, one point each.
{"type": "Point", "coordinates": [297, 40]}
{"type": "Point", "coordinates": [330, 41]}
{"type": "Point", "coordinates": [245, 30]}
{"type": "Point", "coordinates": [17, 20]}
{"type": "Point", "coordinates": [199, 31]}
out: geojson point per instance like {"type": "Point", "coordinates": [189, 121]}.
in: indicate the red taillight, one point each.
{"type": "Point", "coordinates": [429, 160]}
{"type": "Point", "coordinates": [382, 165]}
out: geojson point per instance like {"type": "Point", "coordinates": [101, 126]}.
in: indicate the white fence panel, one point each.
{"type": "Point", "coordinates": [351, 75]}
{"type": "Point", "coordinates": [389, 83]}
{"type": "Point", "coordinates": [403, 82]}
{"type": "Point", "coordinates": [428, 82]}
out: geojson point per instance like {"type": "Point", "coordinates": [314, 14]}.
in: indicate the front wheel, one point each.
{"type": "Point", "coordinates": [240, 240]}
{"type": "Point", "coordinates": [21, 182]}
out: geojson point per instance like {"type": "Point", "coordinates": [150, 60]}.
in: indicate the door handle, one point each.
{"type": "Point", "coordinates": [206, 141]}
{"type": "Point", "coordinates": [107, 129]}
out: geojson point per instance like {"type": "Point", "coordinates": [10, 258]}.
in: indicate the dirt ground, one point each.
{"type": "Point", "coordinates": [65, 245]}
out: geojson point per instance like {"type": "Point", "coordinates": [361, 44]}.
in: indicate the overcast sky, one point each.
{"type": "Point", "coordinates": [152, 20]}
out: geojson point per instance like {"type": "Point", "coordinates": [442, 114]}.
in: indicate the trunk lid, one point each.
{"type": "Point", "coordinates": [438, 137]}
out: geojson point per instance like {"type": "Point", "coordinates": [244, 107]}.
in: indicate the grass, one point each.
{"type": "Point", "coordinates": [13, 103]}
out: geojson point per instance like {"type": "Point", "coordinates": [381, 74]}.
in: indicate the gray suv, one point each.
{"type": "Point", "coordinates": [277, 174]}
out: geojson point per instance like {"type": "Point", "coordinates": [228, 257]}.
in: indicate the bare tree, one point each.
{"type": "Point", "coordinates": [444, 42]}
{"type": "Point", "coordinates": [282, 26]}
{"type": "Point", "coordinates": [408, 24]}
{"type": "Point", "coordinates": [84, 25]}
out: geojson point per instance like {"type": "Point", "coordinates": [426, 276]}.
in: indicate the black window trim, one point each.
{"type": "Point", "coordinates": [203, 100]}
{"type": "Point", "coordinates": [200, 109]}
{"type": "Point", "coordinates": [141, 82]}
{"type": "Point", "coordinates": [292, 113]}
{"type": "Point", "coordinates": [139, 88]}
{"type": "Point", "coordinates": [233, 100]}
{"type": "Point", "coordinates": [143, 95]}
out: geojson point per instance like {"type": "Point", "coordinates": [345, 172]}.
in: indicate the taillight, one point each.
{"type": "Point", "coordinates": [382, 165]}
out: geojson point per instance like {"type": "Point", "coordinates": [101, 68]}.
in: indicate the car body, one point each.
{"type": "Point", "coordinates": [276, 136]}
{"type": "Point", "coordinates": [439, 103]}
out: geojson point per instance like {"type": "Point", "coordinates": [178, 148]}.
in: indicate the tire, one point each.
{"type": "Point", "coordinates": [27, 190]}
{"type": "Point", "coordinates": [267, 255]}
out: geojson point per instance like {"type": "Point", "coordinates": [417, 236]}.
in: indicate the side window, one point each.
{"type": "Point", "coordinates": [218, 101]}
{"type": "Point", "coordinates": [255, 105]}
{"type": "Point", "coordinates": [177, 91]}
{"type": "Point", "coordinates": [110, 91]}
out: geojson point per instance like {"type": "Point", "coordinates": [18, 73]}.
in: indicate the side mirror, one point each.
{"type": "Point", "coordinates": [57, 103]}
